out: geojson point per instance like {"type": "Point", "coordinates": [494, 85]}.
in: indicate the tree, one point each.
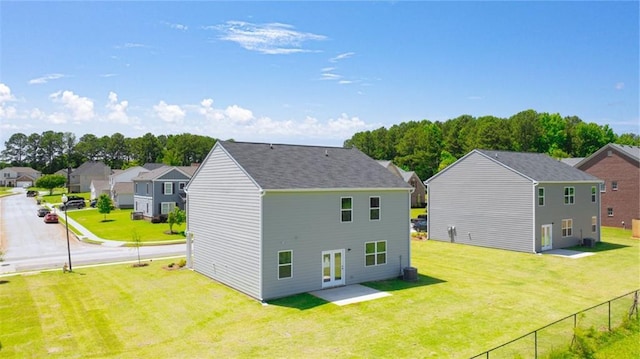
{"type": "Point", "coordinates": [50, 182]}
{"type": "Point", "coordinates": [176, 217]}
{"type": "Point", "coordinates": [104, 205]}
{"type": "Point", "coordinates": [137, 242]}
{"type": "Point", "coordinates": [15, 149]}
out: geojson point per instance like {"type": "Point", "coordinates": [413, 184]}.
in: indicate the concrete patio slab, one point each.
{"type": "Point", "coordinates": [568, 253]}
{"type": "Point", "coordinates": [349, 294]}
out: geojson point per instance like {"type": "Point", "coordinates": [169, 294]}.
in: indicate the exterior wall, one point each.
{"type": "Point", "coordinates": [486, 204]}
{"type": "Point", "coordinates": [143, 198]}
{"type": "Point", "coordinates": [223, 215]}
{"type": "Point", "coordinates": [554, 211]}
{"type": "Point", "coordinates": [124, 200]}
{"type": "Point", "coordinates": [625, 201]}
{"type": "Point", "coordinates": [159, 197]}
{"type": "Point", "coordinates": [308, 223]}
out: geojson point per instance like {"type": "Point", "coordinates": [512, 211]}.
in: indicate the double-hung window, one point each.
{"type": "Point", "coordinates": [346, 209]}
{"type": "Point", "coordinates": [168, 188]}
{"type": "Point", "coordinates": [567, 227]}
{"type": "Point", "coordinates": [285, 264]}
{"type": "Point", "coordinates": [375, 253]}
{"type": "Point", "coordinates": [569, 195]}
{"type": "Point", "coordinates": [594, 224]}
{"type": "Point", "coordinates": [374, 208]}
{"type": "Point", "coordinates": [167, 207]}
{"type": "Point", "coordinates": [541, 196]}
{"type": "Point", "coordinates": [610, 211]}
{"type": "Point", "coordinates": [593, 194]}
{"type": "Point", "coordinates": [614, 185]}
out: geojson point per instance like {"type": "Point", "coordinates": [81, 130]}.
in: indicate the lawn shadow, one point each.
{"type": "Point", "coordinates": [4, 281]}
{"type": "Point", "coordinates": [599, 247]}
{"type": "Point", "coordinates": [107, 220]}
{"type": "Point", "coordinates": [306, 301]}
{"type": "Point", "coordinates": [391, 285]}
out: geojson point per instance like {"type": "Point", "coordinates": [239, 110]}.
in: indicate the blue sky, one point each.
{"type": "Point", "coordinates": [310, 72]}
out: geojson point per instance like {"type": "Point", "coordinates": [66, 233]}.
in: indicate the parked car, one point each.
{"type": "Point", "coordinates": [75, 198]}
{"type": "Point", "coordinates": [51, 218]}
{"type": "Point", "coordinates": [420, 225]}
{"type": "Point", "coordinates": [76, 203]}
{"type": "Point", "coordinates": [32, 193]}
{"type": "Point", "coordinates": [42, 211]}
{"type": "Point", "coordinates": [421, 217]}
{"type": "Point", "coordinates": [93, 203]}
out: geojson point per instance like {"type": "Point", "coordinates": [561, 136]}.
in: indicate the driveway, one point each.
{"type": "Point", "coordinates": [31, 244]}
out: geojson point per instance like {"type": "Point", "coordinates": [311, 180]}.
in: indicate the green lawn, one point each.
{"type": "Point", "coordinates": [416, 211]}
{"type": "Point", "coordinates": [6, 191]}
{"type": "Point", "coordinates": [467, 300]}
{"type": "Point", "coordinates": [119, 226]}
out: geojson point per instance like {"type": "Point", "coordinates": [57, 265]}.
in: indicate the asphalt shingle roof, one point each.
{"type": "Point", "coordinates": [539, 167]}
{"type": "Point", "coordinates": [280, 166]}
{"type": "Point", "coordinates": [631, 151]}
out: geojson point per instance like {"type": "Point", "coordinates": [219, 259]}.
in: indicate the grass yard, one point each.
{"type": "Point", "coordinates": [119, 226]}
{"type": "Point", "coordinates": [6, 191]}
{"type": "Point", "coordinates": [467, 300]}
{"type": "Point", "coordinates": [416, 211]}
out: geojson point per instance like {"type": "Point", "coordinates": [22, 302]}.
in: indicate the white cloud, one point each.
{"type": "Point", "coordinates": [81, 108]}
{"type": "Point", "coordinates": [177, 26]}
{"type": "Point", "coordinates": [169, 113]}
{"type": "Point", "coordinates": [108, 75]}
{"type": "Point", "coordinates": [272, 38]}
{"type": "Point", "coordinates": [619, 85]}
{"type": "Point", "coordinates": [117, 110]}
{"type": "Point", "coordinates": [330, 76]}
{"type": "Point", "coordinates": [5, 94]}
{"type": "Point", "coordinates": [238, 114]}
{"type": "Point", "coordinates": [46, 78]}
{"type": "Point", "coordinates": [8, 112]}
{"type": "Point", "coordinates": [343, 56]}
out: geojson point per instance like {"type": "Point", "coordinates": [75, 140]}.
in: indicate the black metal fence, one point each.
{"type": "Point", "coordinates": [561, 333]}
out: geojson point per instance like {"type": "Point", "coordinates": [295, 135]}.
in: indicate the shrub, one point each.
{"type": "Point", "coordinates": [182, 263]}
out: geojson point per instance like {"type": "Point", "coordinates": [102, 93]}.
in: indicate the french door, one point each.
{"type": "Point", "coordinates": [332, 268]}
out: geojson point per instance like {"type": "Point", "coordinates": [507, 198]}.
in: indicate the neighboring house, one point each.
{"type": "Point", "coordinates": [99, 187]}
{"type": "Point", "coordinates": [159, 191]}
{"type": "Point", "coordinates": [18, 176]}
{"type": "Point", "coordinates": [121, 186]}
{"type": "Point", "coordinates": [418, 196]}
{"type": "Point", "coordinates": [619, 167]}
{"type": "Point", "coordinates": [526, 202]}
{"type": "Point", "coordinates": [276, 220]}
{"type": "Point", "coordinates": [81, 177]}
{"type": "Point", "coordinates": [571, 161]}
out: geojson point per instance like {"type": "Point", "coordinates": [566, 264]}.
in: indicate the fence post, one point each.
{"type": "Point", "coordinates": [535, 341]}
{"type": "Point", "coordinates": [609, 315]}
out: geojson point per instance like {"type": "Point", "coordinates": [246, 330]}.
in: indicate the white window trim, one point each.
{"type": "Point", "coordinates": [171, 205]}
{"type": "Point", "coordinates": [594, 194]}
{"type": "Point", "coordinates": [603, 187]}
{"type": "Point", "coordinates": [571, 197]}
{"type": "Point", "coordinates": [287, 264]}
{"type": "Point", "coordinates": [614, 185]}
{"type": "Point", "coordinates": [378, 208]}
{"type": "Point", "coordinates": [342, 210]}
{"type": "Point", "coordinates": [375, 253]}
{"type": "Point", "coordinates": [609, 211]}
{"type": "Point", "coordinates": [594, 224]}
{"type": "Point", "coordinates": [567, 228]}
{"type": "Point", "coordinates": [168, 191]}
{"type": "Point", "coordinates": [541, 197]}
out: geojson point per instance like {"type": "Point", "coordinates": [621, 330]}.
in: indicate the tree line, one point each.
{"type": "Point", "coordinates": [427, 147]}
{"type": "Point", "coordinates": [51, 151]}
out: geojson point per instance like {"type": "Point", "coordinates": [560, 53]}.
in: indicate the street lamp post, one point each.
{"type": "Point", "coordinates": [66, 224]}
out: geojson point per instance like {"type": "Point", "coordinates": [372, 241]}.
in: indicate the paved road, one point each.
{"type": "Point", "coordinates": [31, 244]}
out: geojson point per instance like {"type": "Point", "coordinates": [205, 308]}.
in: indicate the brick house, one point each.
{"type": "Point", "coordinates": [619, 167]}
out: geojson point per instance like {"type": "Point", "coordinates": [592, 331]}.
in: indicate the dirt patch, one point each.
{"type": "Point", "coordinates": [137, 265]}
{"type": "Point", "coordinates": [172, 266]}
{"type": "Point", "coordinates": [419, 237]}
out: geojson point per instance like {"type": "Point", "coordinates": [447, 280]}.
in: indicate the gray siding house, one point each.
{"type": "Point", "coordinates": [159, 191]}
{"type": "Point", "coordinates": [277, 220]}
{"type": "Point", "coordinates": [524, 202]}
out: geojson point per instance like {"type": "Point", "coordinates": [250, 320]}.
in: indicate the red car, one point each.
{"type": "Point", "coordinates": [51, 218]}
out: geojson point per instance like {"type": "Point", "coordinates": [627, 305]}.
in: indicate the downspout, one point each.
{"type": "Point", "coordinates": [262, 194]}
{"type": "Point", "coordinates": [189, 241]}
{"type": "Point", "coordinates": [409, 246]}
{"type": "Point", "coordinates": [534, 225]}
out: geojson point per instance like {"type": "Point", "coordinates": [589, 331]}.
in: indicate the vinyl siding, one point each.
{"type": "Point", "coordinates": [488, 204]}
{"type": "Point", "coordinates": [309, 222]}
{"type": "Point", "coordinates": [224, 216]}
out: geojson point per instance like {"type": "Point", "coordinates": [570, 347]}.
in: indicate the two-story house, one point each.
{"type": "Point", "coordinates": [18, 176]}
{"type": "Point", "coordinates": [526, 202]}
{"type": "Point", "coordinates": [159, 191]}
{"type": "Point", "coordinates": [276, 220]}
{"type": "Point", "coordinates": [81, 177]}
{"type": "Point", "coordinates": [121, 186]}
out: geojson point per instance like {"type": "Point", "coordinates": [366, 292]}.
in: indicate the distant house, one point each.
{"type": "Point", "coordinates": [159, 191]}
{"type": "Point", "coordinates": [18, 176]}
{"type": "Point", "coordinates": [619, 167]}
{"type": "Point", "coordinates": [276, 220]}
{"type": "Point", "coordinates": [81, 177]}
{"type": "Point", "coordinates": [121, 186]}
{"type": "Point", "coordinates": [418, 199]}
{"type": "Point", "coordinates": [524, 202]}
{"type": "Point", "coordinates": [98, 187]}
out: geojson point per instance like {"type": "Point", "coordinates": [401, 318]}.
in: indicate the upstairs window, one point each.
{"type": "Point", "coordinates": [569, 195]}
{"type": "Point", "coordinates": [182, 184]}
{"type": "Point", "coordinates": [374, 208]}
{"type": "Point", "coordinates": [541, 196]}
{"type": "Point", "coordinates": [593, 194]}
{"type": "Point", "coordinates": [614, 185]}
{"type": "Point", "coordinates": [603, 187]}
{"type": "Point", "coordinates": [168, 188]}
{"type": "Point", "coordinates": [610, 211]}
{"type": "Point", "coordinates": [346, 209]}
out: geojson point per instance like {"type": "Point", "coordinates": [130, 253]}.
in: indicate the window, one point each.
{"type": "Point", "coordinates": [603, 187]}
{"type": "Point", "coordinates": [346, 209]}
{"type": "Point", "coordinates": [569, 195]}
{"type": "Point", "coordinates": [594, 224]}
{"type": "Point", "coordinates": [285, 264]}
{"type": "Point", "coordinates": [375, 253]}
{"type": "Point", "coordinates": [593, 194]}
{"type": "Point", "coordinates": [147, 189]}
{"type": "Point", "coordinates": [614, 185]}
{"type": "Point", "coordinates": [567, 227]}
{"type": "Point", "coordinates": [374, 208]}
{"type": "Point", "coordinates": [610, 211]}
{"type": "Point", "coordinates": [541, 196]}
{"type": "Point", "coordinates": [168, 188]}
{"type": "Point", "coordinates": [167, 207]}
{"type": "Point", "coordinates": [182, 184]}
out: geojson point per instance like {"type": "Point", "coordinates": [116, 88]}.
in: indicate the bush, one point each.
{"type": "Point", "coordinates": [182, 263]}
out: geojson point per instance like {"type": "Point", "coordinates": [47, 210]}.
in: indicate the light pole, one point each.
{"type": "Point", "coordinates": [66, 224]}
